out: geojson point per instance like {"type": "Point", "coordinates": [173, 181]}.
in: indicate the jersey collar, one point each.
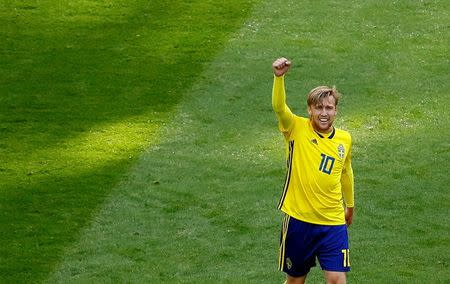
{"type": "Point", "coordinates": [329, 136]}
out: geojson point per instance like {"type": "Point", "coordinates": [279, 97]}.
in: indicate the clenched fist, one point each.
{"type": "Point", "coordinates": [281, 66]}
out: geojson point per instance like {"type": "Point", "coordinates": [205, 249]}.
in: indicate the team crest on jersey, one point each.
{"type": "Point", "coordinates": [341, 151]}
{"type": "Point", "coordinates": [314, 141]}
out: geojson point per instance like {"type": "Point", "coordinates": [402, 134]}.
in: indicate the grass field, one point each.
{"type": "Point", "coordinates": [139, 145]}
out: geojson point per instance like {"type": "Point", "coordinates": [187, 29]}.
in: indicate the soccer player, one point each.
{"type": "Point", "coordinates": [317, 198]}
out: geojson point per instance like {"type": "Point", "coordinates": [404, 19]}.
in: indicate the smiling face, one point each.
{"type": "Point", "coordinates": [323, 113]}
{"type": "Point", "coordinates": [322, 107]}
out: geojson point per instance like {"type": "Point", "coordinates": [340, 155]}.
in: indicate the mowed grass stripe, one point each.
{"type": "Point", "coordinates": [200, 207]}
{"type": "Point", "coordinates": [178, 216]}
{"type": "Point", "coordinates": [85, 86]}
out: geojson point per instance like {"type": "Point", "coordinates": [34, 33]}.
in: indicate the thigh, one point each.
{"type": "Point", "coordinates": [333, 252]}
{"type": "Point", "coordinates": [297, 247]}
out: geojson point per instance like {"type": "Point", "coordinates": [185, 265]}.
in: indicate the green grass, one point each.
{"type": "Point", "coordinates": [85, 87]}
{"type": "Point", "coordinates": [198, 204]}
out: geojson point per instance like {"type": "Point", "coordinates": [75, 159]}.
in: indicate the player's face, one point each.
{"type": "Point", "coordinates": [323, 114]}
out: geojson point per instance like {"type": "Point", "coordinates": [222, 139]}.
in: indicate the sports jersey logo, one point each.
{"type": "Point", "coordinates": [314, 141]}
{"type": "Point", "coordinates": [341, 151]}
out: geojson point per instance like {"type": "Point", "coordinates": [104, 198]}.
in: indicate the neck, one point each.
{"type": "Point", "coordinates": [327, 131]}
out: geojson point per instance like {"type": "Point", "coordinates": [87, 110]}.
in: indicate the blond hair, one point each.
{"type": "Point", "coordinates": [317, 94]}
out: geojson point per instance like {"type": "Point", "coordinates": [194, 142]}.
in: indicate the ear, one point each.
{"type": "Point", "coordinates": [309, 110]}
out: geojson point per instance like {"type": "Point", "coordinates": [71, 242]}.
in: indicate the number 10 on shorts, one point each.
{"type": "Point", "coordinates": [346, 253]}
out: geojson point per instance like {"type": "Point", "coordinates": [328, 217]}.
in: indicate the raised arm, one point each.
{"type": "Point", "coordinates": [284, 114]}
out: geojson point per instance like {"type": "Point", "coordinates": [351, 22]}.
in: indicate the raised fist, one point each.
{"type": "Point", "coordinates": [280, 66]}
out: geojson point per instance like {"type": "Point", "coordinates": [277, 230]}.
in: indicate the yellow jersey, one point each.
{"type": "Point", "coordinates": [319, 180]}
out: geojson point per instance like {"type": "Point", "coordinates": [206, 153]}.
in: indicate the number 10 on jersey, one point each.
{"type": "Point", "coordinates": [327, 163]}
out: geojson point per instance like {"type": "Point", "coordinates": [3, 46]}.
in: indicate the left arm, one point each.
{"type": "Point", "coordinates": [347, 183]}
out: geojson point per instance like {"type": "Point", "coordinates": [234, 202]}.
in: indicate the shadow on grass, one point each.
{"type": "Point", "coordinates": [65, 71]}
{"type": "Point", "coordinates": [40, 219]}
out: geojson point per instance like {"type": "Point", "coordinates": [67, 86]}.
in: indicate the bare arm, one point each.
{"type": "Point", "coordinates": [349, 215]}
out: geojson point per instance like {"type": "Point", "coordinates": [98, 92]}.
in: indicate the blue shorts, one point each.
{"type": "Point", "coordinates": [302, 242]}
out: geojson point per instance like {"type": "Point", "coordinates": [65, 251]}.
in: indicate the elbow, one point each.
{"type": "Point", "coordinates": [277, 108]}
